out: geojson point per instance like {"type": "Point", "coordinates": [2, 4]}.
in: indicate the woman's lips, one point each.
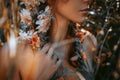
{"type": "Point", "coordinates": [86, 10]}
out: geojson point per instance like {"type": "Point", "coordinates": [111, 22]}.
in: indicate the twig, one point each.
{"type": "Point", "coordinates": [101, 48]}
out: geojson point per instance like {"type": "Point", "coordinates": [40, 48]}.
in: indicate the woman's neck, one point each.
{"type": "Point", "coordinates": [59, 29]}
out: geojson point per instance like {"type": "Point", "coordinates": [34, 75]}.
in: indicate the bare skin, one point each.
{"type": "Point", "coordinates": [29, 66]}
{"type": "Point", "coordinates": [63, 16]}
{"type": "Point", "coordinates": [37, 66]}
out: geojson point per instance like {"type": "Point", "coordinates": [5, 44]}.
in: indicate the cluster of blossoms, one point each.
{"type": "Point", "coordinates": [33, 24]}
{"type": "Point", "coordinates": [32, 3]}
{"type": "Point", "coordinates": [44, 19]}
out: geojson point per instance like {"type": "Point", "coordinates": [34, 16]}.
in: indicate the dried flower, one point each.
{"type": "Point", "coordinates": [26, 17]}
{"type": "Point", "coordinates": [30, 37]}
{"type": "Point", "coordinates": [25, 35]}
{"type": "Point", "coordinates": [44, 19]}
{"type": "Point", "coordinates": [35, 42]}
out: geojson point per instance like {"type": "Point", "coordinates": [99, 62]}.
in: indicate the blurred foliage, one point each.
{"type": "Point", "coordinates": [104, 22]}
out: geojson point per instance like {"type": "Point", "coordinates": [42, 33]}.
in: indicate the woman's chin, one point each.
{"type": "Point", "coordinates": [80, 20]}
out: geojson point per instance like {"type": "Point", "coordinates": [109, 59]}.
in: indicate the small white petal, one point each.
{"type": "Point", "coordinates": [39, 22]}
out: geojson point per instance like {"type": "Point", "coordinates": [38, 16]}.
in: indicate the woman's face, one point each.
{"type": "Point", "coordinates": [73, 10]}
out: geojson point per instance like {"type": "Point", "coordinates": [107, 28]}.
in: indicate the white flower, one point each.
{"type": "Point", "coordinates": [25, 35]}
{"type": "Point", "coordinates": [43, 25]}
{"type": "Point", "coordinates": [44, 19]}
{"type": "Point", "coordinates": [41, 16]}
{"type": "Point", "coordinates": [25, 16]}
{"type": "Point", "coordinates": [40, 22]}
{"type": "Point", "coordinates": [48, 10]}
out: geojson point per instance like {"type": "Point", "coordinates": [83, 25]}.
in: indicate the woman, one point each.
{"type": "Point", "coordinates": [54, 27]}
